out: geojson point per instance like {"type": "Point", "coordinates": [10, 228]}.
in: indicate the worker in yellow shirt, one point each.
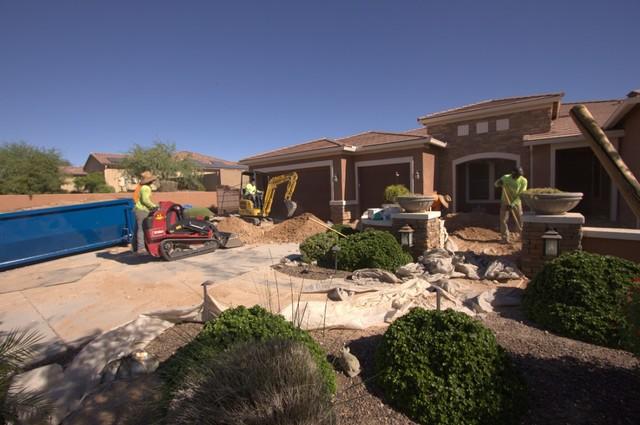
{"type": "Point", "coordinates": [512, 185]}
{"type": "Point", "coordinates": [144, 204]}
{"type": "Point", "coordinates": [251, 192]}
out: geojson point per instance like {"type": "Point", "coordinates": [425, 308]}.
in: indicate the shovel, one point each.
{"type": "Point", "coordinates": [513, 214]}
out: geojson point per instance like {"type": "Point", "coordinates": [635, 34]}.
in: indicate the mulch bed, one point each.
{"type": "Point", "coordinates": [312, 272]}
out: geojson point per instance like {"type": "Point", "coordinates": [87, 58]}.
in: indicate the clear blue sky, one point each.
{"type": "Point", "coordinates": [233, 78]}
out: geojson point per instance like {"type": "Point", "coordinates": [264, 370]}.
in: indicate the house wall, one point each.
{"type": "Point", "coordinates": [113, 177]}
{"type": "Point", "coordinates": [93, 165]}
{"type": "Point", "coordinates": [507, 141]}
{"type": "Point", "coordinates": [630, 151]}
{"type": "Point", "coordinates": [230, 177]}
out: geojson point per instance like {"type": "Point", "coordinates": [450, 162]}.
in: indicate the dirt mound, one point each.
{"type": "Point", "coordinates": [477, 234]}
{"type": "Point", "coordinates": [457, 221]}
{"type": "Point", "coordinates": [295, 229]}
{"type": "Point", "coordinates": [247, 232]}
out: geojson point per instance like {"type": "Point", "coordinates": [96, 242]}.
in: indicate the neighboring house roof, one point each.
{"type": "Point", "coordinates": [209, 162]}
{"type": "Point", "coordinates": [71, 170]}
{"type": "Point", "coordinates": [109, 159]}
{"type": "Point", "coordinates": [353, 143]}
{"type": "Point", "coordinates": [491, 106]}
{"type": "Point", "coordinates": [564, 126]}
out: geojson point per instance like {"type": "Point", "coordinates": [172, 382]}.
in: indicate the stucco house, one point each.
{"type": "Point", "coordinates": [70, 172]}
{"type": "Point", "coordinates": [216, 172]}
{"type": "Point", "coordinates": [461, 152]}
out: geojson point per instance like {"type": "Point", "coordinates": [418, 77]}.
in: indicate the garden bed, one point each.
{"type": "Point", "coordinates": [312, 272]}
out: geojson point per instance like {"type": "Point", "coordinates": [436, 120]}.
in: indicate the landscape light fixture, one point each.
{"type": "Point", "coordinates": [406, 236]}
{"type": "Point", "coordinates": [551, 243]}
{"type": "Point", "coordinates": [336, 250]}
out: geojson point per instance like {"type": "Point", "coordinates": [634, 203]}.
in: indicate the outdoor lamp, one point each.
{"type": "Point", "coordinates": [335, 178]}
{"type": "Point", "coordinates": [551, 241]}
{"type": "Point", "coordinates": [417, 175]}
{"type": "Point", "coordinates": [406, 236]}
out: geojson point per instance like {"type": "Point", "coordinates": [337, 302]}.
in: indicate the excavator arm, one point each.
{"type": "Point", "coordinates": [274, 182]}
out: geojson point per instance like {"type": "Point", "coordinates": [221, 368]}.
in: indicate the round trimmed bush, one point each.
{"type": "Point", "coordinates": [318, 248]}
{"type": "Point", "coordinates": [443, 367]}
{"type": "Point", "coordinates": [272, 382]}
{"type": "Point", "coordinates": [585, 296]}
{"type": "Point", "coordinates": [371, 249]}
{"type": "Point", "coordinates": [235, 326]}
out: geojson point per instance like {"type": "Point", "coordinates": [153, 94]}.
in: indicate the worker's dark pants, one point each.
{"type": "Point", "coordinates": [138, 240]}
{"type": "Point", "coordinates": [257, 200]}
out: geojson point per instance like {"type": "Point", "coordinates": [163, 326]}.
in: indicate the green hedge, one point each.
{"type": "Point", "coordinates": [235, 326]}
{"type": "Point", "coordinates": [344, 229]}
{"type": "Point", "coordinates": [443, 367]}
{"type": "Point", "coordinates": [318, 248]}
{"type": "Point", "coordinates": [373, 248]}
{"type": "Point", "coordinates": [585, 296]}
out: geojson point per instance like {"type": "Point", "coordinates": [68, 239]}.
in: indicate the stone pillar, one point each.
{"type": "Point", "coordinates": [426, 229]}
{"type": "Point", "coordinates": [568, 225]}
{"type": "Point", "coordinates": [343, 212]}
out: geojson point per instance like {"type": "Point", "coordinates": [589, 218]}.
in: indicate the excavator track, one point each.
{"type": "Point", "coordinates": [171, 250]}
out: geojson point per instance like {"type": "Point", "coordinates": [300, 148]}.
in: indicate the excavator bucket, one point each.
{"type": "Point", "coordinates": [291, 207]}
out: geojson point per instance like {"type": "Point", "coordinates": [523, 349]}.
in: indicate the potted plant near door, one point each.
{"type": "Point", "coordinates": [391, 193]}
{"type": "Point", "coordinates": [551, 201]}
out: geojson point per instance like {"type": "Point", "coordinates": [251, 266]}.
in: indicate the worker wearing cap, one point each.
{"type": "Point", "coordinates": [512, 184]}
{"type": "Point", "coordinates": [144, 204]}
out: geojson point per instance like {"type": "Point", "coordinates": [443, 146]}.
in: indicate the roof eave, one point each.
{"type": "Point", "coordinates": [533, 140]}
{"type": "Point", "coordinates": [620, 112]}
{"type": "Point", "coordinates": [492, 110]}
{"type": "Point", "coordinates": [298, 155]}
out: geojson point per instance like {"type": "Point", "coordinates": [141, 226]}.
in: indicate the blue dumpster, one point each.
{"type": "Point", "coordinates": [37, 235]}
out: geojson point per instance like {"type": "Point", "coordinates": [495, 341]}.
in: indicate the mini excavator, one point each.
{"type": "Point", "coordinates": [258, 208]}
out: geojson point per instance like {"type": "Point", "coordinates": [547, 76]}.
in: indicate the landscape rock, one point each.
{"type": "Point", "coordinates": [368, 276]}
{"type": "Point", "coordinates": [450, 245]}
{"type": "Point", "coordinates": [502, 270]}
{"type": "Point", "coordinates": [349, 363]}
{"type": "Point", "coordinates": [410, 270]}
{"type": "Point", "coordinates": [137, 363]}
{"type": "Point", "coordinates": [38, 381]}
{"type": "Point", "coordinates": [449, 286]}
{"type": "Point", "coordinates": [488, 301]}
{"type": "Point", "coordinates": [469, 270]}
{"type": "Point", "coordinates": [338, 294]}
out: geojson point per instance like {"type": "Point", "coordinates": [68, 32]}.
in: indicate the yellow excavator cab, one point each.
{"type": "Point", "coordinates": [251, 211]}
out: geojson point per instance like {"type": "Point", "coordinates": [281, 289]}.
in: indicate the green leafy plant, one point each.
{"type": "Point", "coordinates": [373, 248]}
{"type": "Point", "coordinates": [271, 382]}
{"type": "Point", "coordinates": [584, 296]}
{"type": "Point", "coordinates": [235, 326]}
{"type": "Point", "coordinates": [443, 367]}
{"type": "Point", "coordinates": [633, 314]}
{"type": "Point", "coordinates": [318, 248]}
{"type": "Point", "coordinates": [17, 404]}
{"type": "Point", "coordinates": [26, 169]}
{"type": "Point", "coordinates": [92, 183]}
{"type": "Point", "coordinates": [391, 192]}
{"type": "Point", "coordinates": [542, 191]}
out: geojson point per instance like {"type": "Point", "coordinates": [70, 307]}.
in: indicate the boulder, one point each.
{"type": "Point", "coordinates": [502, 270]}
{"type": "Point", "coordinates": [487, 301]}
{"type": "Point", "coordinates": [348, 362]}
{"type": "Point", "coordinates": [338, 294]}
{"type": "Point", "coordinates": [368, 276]}
{"type": "Point", "coordinates": [410, 270]}
{"type": "Point", "coordinates": [469, 270]}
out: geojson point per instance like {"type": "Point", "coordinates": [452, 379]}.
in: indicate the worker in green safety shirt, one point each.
{"type": "Point", "coordinates": [512, 185]}
{"type": "Point", "coordinates": [144, 204]}
{"type": "Point", "coordinates": [251, 192]}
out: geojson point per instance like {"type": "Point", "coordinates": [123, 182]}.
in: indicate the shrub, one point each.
{"type": "Point", "coordinates": [235, 326]}
{"type": "Point", "coordinates": [273, 382]}
{"type": "Point", "coordinates": [633, 313]}
{"type": "Point", "coordinates": [318, 247]}
{"type": "Point", "coordinates": [584, 296]}
{"type": "Point", "coordinates": [443, 367]}
{"type": "Point", "coordinates": [373, 248]}
{"type": "Point", "coordinates": [391, 192]}
{"type": "Point", "coordinates": [344, 229]}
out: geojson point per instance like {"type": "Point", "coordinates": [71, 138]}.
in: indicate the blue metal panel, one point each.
{"type": "Point", "coordinates": [42, 234]}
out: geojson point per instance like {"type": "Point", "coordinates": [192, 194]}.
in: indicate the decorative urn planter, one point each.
{"type": "Point", "coordinates": [551, 203]}
{"type": "Point", "coordinates": [416, 203]}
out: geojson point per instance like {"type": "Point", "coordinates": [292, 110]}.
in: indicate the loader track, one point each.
{"type": "Point", "coordinates": [170, 251]}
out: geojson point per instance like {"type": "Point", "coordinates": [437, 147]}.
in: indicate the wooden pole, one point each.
{"type": "Point", "coordinates": [327, 227]}
{"type": "Point", "coordinates": [608, 156]}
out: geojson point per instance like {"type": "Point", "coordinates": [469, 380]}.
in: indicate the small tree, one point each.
{"type": "Point", "coordinates": [26, 169]}
{"type": "Point", "coordinates": [92, 183]}
{"type": "Point", "coordinates": [161, 160]}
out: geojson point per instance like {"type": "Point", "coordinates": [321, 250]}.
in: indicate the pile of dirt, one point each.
{"type": "Point", "coordinates": [458, 221]}
{"type": "Point", "coordinates": [295, 229]}
{"type": "Point", "coordinates": [478, 234]}
{"type": "Point", "coordinates": [247, 232]}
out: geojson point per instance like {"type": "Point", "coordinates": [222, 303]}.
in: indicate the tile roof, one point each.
{"type": "Point", "coordinates": [207, 161]}
{"type": "Point", "coordinates": [491, 103]}
{"type": "Point", "coordinates": [72, 170]}
{"type": "Point", "coordinates": [368, 138]}
{"type": "Point", "coordinates": [563, 126]}
{"type": "Point", "coordinates": [108, 158]}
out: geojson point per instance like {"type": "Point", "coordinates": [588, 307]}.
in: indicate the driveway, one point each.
{"type": "Point", "coordinates": [71, 300]}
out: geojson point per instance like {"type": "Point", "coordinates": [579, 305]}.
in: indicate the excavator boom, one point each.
{"type": "Point", "coordinates": [274, 182]}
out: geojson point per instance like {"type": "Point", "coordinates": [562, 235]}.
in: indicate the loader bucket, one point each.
{"type": "Point", "coordinates": [291, 207]}
{"type": "Point", "coordinates": [230, 240]}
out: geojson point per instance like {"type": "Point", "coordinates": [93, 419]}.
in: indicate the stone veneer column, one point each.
{"type": "Point", "coordinates": [341, 213]}
{"type": "Point", "coordinates": [426, 229]}
{"type": "Point", "coordinates": [568, 225]}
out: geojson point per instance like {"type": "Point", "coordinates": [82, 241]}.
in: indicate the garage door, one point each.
{"type": "Point", "coordinates": [373, 179]}
{"type": "Point", "coordinates": [312, 194]}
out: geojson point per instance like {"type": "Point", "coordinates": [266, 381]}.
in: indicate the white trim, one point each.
{"type": "Point", "coordinates": [472, 157]}
{"type": "Point", "coordinates": [566, 218]}
{"type": "Point", "coordinates": [613, 192]}
{"type": "Point", "coordinates": [611, 233]}
{"type": "Point", "coordinates": [313, 164]}
{"type": "Point", "coordinates": [488, 111]}
{"type": "Point", "coordinates": [373, 163]}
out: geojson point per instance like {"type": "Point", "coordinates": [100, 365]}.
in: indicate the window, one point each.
{"type": "Point", "coordinates": [482, 127]}
{"type": "Point", "coordinates": [502, 124]}
{"type": "Point", "coordinates": [481, 176]}
{"type": "Point", "coordinates": [463, 130]}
